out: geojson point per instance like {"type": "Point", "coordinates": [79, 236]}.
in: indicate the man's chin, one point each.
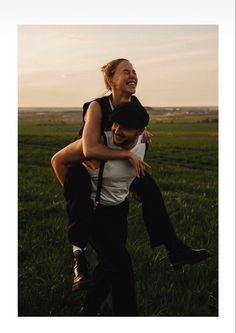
{"type": "Point", "coordinates": [118, 143]}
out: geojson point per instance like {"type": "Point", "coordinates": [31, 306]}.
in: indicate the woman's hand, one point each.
{"type": "Point", "coordinates": [147, 136]}
{"type": "Point", "coordinates": [138, 164]}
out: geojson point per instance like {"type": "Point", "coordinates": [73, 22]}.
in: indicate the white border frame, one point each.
{"type": "Point", "coordinates": [220, 12]}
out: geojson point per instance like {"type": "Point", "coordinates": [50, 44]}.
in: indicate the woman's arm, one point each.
{"type": "Point", "coordinates": [94, 149]}
{"type": "Point", "coordinates": [92, 146]}
{"type": "Point", "coordinates": [65, 157]}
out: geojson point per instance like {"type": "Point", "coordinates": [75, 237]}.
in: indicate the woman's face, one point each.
{"type": "Point", "coordinates": [124, 79]}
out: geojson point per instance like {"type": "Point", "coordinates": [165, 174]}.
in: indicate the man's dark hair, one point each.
{"type": "Point", "coordinates": [130, 115]}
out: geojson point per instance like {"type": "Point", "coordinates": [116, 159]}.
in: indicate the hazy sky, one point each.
{"type": "Point", "coordinates": [59, 65]}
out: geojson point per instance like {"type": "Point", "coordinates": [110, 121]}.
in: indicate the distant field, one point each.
{"type": "Point", "coordinates": [70, 115]}
{"type": "Point", "coordinates": [184, 159]}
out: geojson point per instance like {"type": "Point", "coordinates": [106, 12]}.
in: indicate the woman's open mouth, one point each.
{"type": "Point", "coordinates": [132, 84]}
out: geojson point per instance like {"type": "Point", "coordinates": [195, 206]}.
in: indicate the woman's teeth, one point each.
{"type": "Point", "coordinates": [132, 84]}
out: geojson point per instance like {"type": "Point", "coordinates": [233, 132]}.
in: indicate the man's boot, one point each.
{"type": "Point", "coordinates": [81, 279]}
{"type": "Point", "coordinates": [181, 254]}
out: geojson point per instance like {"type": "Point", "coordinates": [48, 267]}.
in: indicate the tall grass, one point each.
{"type": "Point", "coordinates": [184, 163]}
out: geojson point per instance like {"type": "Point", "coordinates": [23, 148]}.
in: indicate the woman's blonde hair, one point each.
{"type": "Point", "coordinates": [108, 70]}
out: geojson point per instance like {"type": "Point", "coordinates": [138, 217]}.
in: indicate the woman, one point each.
{"type": "Point", "coordinates": [121, 79]}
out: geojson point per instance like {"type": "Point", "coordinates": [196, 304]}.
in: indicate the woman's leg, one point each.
{"type": "Point", "coordinates": [77, 191]}
{"type": "Point", "coordinates": [159, 227]}
{"type": "Point", "coordinates": [155, 216]}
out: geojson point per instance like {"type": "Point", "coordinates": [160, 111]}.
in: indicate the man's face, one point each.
{"type": "Point", "coordinates": [124, 136]}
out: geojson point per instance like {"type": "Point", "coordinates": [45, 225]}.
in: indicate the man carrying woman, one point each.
{"type": "Point", "coordinates": [121, 79]}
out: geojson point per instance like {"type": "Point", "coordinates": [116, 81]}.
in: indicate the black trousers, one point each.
{"type": "Point", "coordinates": [77, 191]}
{"type": "Point", "coordinates": [114, 272]}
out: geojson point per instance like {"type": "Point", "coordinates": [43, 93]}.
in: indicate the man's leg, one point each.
{"type": "Point", "coordinates": [159, 226]}
{"type": "Point", "coordinates": [98, 293]}
{"type": "Point", "coordinates": [109, 233]}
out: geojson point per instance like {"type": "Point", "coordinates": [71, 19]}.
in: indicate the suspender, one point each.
{"type": "Point", "coordinates": [100, 174]}
{"type": "Point", "coordinates": [146, 148]}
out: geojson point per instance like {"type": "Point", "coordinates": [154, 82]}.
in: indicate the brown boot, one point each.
{"type": "Point", "coordinates": [81, 279]}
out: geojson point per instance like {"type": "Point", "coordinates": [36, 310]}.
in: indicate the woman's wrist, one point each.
{"type": "Point", "coordinates": [127, 153]}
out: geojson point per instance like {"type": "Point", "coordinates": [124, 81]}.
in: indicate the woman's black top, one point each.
{"type": "Point", "coordinates": [106, 111]}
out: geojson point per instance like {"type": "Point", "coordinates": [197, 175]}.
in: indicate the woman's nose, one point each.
{"type": "Point", "coordinates": [133, 75]}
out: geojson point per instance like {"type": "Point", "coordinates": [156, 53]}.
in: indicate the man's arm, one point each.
{"type": "Point", "coordinates": [65, 157]}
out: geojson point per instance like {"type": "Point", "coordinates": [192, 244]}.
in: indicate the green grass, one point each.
{"type": "Point", "coordinates": [184, 159]}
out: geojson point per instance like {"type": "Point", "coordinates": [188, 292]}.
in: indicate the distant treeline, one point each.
{"type": "Point", "coordinates": [157, 109]}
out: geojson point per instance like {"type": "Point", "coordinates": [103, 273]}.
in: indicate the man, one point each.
{"type": "Point", "coordinates": [129, 120]}
{"type": "Point", "coordinates": [108, 225]}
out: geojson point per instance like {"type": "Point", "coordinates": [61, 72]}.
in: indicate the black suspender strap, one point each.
{"type": "Point", "coordinates": [146, 148]}
{"type": "Point", "coordinates": [100, 174]}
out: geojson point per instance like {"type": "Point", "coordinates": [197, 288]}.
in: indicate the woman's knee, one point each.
{"type": "Point", "coordinates": [77, 181]}
{"type": "Point", "coordinates": [145, 187]}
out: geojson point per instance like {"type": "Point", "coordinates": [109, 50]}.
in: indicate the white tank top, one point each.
{"type": "Point", "coordinates": [117, 175]}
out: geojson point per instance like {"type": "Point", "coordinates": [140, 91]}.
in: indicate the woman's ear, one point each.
{"type": "Point", "coordinates": [109, 81]}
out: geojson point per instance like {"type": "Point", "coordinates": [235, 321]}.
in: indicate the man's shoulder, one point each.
{"type": "Point", "coordinates": [140, 146]}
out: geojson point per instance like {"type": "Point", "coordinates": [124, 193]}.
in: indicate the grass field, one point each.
{"type": "Point", "coordinates": [184, 159]}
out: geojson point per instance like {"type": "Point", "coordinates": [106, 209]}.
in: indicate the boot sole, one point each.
{"type": "Point", "coordinates": [177, 266]}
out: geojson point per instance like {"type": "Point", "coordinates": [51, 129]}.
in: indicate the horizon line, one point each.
{"type": "Point", "coordinates": [147, 106]}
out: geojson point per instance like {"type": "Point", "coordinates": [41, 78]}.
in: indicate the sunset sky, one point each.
{"type": "Point", "coordinates": [59, 65]}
